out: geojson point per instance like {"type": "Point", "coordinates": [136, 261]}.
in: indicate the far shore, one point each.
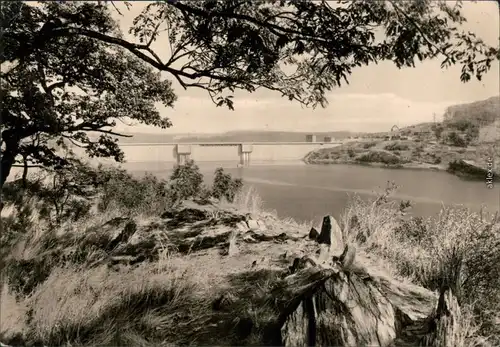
{"type": "Point", "coordinates": [412, 166]}
{"type": "Point", "coordinates": [405, 166]}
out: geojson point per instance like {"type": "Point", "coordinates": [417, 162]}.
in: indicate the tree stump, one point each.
{"type": "Point", "coordinates": [331, 301]}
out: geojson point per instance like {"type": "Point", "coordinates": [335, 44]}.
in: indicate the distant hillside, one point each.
{"type": "Point", "coordinates": [149, 138]}
{"type": "Point", "coordinates": [463, 144]}
{"type": "Point", "coordinates": [484, 111]}
{"type": "Point", "coordinates": [235, 136]}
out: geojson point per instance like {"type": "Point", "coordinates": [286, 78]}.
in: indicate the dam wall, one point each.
{"type": "Point", "coordinates": [240, 153]}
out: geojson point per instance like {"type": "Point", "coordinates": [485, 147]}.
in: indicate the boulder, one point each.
{"type": "Point", "coordinates": [262, 225]}
{"type": "Point", "coordinates": [331, 234]}
{"type": "Point", "coordinates": [242, 226]}
{"type": "Point", "coordinates": [253, 225]}
{"type": "Point", "coordinates": [128, 228]}
{"type": "Point", "coordinates": [313, 233]}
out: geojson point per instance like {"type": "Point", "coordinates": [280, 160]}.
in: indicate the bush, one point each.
{"type": "Point", "coordinates": [119, 189]}
{"type": "Point", "coordinates": [369, 145]}
{"type": "Point", "coordinates": [351, 153]}
{"type": "Point", "coordinates": [396, 146]}
{"type": "Point", "coordinates": [455, 140]}
{"type": "Point", "coordinates": [185, 182]}
{"type": "Point", "coordinates": [438, 130]}
{"type": "Point", "coordinates": [379, 157]}
{"type": "Point", "coordinates": [59, 195]}
{"type": "Point", "coordinates": [225, 186]}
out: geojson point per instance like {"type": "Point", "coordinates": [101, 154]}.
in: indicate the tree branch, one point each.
{"type": "Point", "coordinates": [417, 27]}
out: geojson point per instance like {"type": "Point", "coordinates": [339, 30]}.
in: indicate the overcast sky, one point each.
{"type": "Point", "coordinates": [377, 97]}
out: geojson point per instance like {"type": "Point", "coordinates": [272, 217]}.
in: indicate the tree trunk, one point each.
{"type": "Point", "coordinates": [25, 172]}
{"type": "Point", "coordinates": [11, 141]}
{"type": "Point", "coordinates": [8, 158]}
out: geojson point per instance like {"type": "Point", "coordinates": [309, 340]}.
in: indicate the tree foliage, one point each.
{"type": "Point", "coordinates": [69, 91]}
{"type": "Point", "coordinates": [185, 182]}
{"type": "Point", "coordinates": [225, 186]}
{"type": "Point", "coordinates": [72, 72]}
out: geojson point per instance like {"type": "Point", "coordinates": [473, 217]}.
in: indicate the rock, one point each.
{"type": "Point", "coordinates": [262, 225]}
{"type": "Point", "coordinates": [123, 236]}
{"type": "Point", "coordinates": [253, 225]}
{"type": "Point", "coordinates": [331, 234]}
{"type": "Point", "coordinates": [249, 239]}
{"type": "Point", "coordinates": [347, 256]}
{"type": "Point", "coordinates": [242, 226]}
{"type": "Point", "coordinates": [313, 234]}
{"type": "Point", "coordinates": [184, 216]}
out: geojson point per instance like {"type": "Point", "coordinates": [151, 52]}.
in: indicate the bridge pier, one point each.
{"type": "Point", "coordinates": [183, 154]}
{"type": "Point", "coordinates": [245, 151]}
{"type": "Point", "coordinates": [245, 158]}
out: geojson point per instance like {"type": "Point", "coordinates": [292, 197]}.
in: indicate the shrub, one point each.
{"type": "Point", "coordinates": [119, 189]}
{"type": "Point", "coordinates": [455, 140]}
{"type": "Point", "coordinates": [396, 146]}
{"type": "Point", "coordinates": [438, 130]}
{"type": "Point", "coordinates": [185, 182]}
{"type": "Point", "coordinates": [369, 145]}
{"type": "Point", "coordinates": [224, 186]}
{"type": "Point", "coordinates": [351, 153]}
{"type": "Point", "coordinates": [379, 157]}
{"type": "Point", "coordinates": [414, 229]}
{"type": "Point", "coordinates": [459, 167]}
{"type": "Point", "coordinates": [59, 195]}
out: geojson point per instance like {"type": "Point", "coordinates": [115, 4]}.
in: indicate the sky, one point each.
{"type": "Point", "coordinates": [378, 96]}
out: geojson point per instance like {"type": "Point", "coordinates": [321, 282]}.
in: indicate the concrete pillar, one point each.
{"type": "Point", "coordinates": [183, 153]}
{"type": "Point", "coordinates": [246, 158]}
{"type": "Point", "coordinates": [245, 150]}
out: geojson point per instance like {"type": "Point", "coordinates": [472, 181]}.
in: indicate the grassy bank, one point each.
{"type": "Point", "coordinates": [149, 267]}
{"type": "Point", "coordinates": [410, 154]}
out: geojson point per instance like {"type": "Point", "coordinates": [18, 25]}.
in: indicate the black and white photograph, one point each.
{"type": "Point", "coordinates": [250, 173]}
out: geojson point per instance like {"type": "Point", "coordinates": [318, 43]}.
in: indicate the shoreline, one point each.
{"type": "Point", "coordinates": [406, 166]}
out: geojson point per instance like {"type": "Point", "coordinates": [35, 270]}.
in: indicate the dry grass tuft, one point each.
{"type": "Point", "coordinates": [248, 201]}
{"type": "Point", "coordinates": [101, 306]}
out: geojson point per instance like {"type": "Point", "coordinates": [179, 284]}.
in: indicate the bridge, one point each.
{"type": "Point", "coordinates": [243, 154]}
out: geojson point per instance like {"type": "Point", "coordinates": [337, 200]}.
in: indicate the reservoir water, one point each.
{"type": "Point", "coordinates": [308, 192]}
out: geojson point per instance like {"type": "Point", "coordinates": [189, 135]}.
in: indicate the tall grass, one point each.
{"type": "Point", "coordinates": [98, 306]}
{"type": "Point", "coordinates": [248, 200]}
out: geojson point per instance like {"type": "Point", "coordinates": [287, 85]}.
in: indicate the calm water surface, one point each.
{"type": "Point", "coordinates": [307, 192]}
